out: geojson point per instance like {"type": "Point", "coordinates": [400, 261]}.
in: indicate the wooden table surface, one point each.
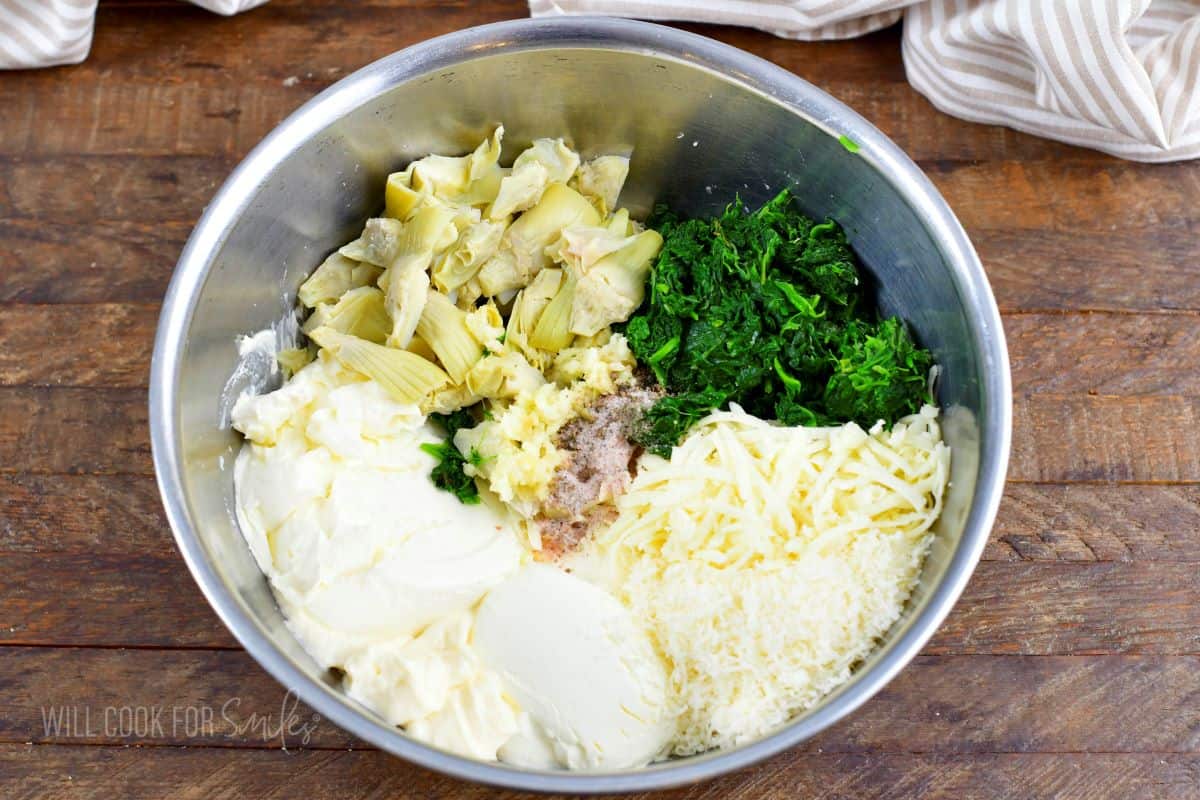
{"type": "Point", "coordinates": [1069, 669]}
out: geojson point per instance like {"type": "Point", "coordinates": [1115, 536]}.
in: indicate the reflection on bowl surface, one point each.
{"type": "Point", "coordinates": [702, 122]}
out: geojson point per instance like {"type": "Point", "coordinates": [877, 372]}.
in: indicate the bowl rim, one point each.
{"type": "Point", "coordinates": [732, 64]}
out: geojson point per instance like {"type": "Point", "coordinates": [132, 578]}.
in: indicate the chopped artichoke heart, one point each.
{"type": "Point", "coordinates": [360, 312]}
{"type": "Point", "coordinates": [355, 250]}
{"type": "Point", "coordinates": [472, 179]}
{"type": "Point", "coordinates": [560, 207]}
{"type": "Point", "coordinates": [528, 307]}
{"type": "Point", "coordinates": [293, 359]}
{"type": "Point", "coordinates": [487, 326]}
{"type": "Point", "coordinates": [329, 281]}
{"type": "Point", "coordinates": [407, 377]}
{"type": "Point", "coordinates": [449, 399]}
{"type": "Point", "coordinates": [602, 179]}
{"type": "Point", "coordinates": [400, 200]}
{"type": "Point", "coordinates": [502, 272]}
{"type": "Point", "coordinates": [381, 240]}
{"type": "Point", "coordinates": [503, 376]}
{"type": "Point", "coordinates": [420, 347]}
{"type": "Point", "coordinates": [613, 288]}
{"type": "Point", "coordinates": [431, 229]}
{"type": "Point", "coordinates": [365, 274]}
{"type": "Point", "coordinates": [486, 377]}
{"type": "Point", "coordinates": [468, 294]}
{"type": "Point", "coordinates": [581, 246]}
{"type": "Point", "coordinates": [620, 224]}
{"type": "Point", "coordinates": [553, 329]}
{"type": "Point", "coordinates": [475, 245]}
{"type": "Point", "coordinates": [546, 161]}
{"type": "Point", "coordinates": [406, 291]}
{"type": "Point", "coordinates": [519, 190]}
{"type": "Point", "coordinates": [523, 250]}
{"type": "Point", "coordinates": [444, 326]}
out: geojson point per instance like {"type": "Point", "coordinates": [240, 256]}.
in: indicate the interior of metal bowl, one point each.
{"type": "Point", "coordinates": [702, 123]}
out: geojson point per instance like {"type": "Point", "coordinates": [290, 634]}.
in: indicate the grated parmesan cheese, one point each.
{"type": "Point", "coordinates": [767, 561]}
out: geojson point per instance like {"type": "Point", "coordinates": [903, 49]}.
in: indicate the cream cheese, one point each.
{"type": "Point", "coordinates": [376, 570]}
{"type": "Point", "coordinates": [577, 663]}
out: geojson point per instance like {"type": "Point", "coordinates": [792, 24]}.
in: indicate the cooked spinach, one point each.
{"type": "Point", "coordinates": [766, 309]}
{"type": "Point", "coordinates": [448, 474]}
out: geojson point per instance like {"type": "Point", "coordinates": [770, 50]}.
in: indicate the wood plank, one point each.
{"type": "Point", "coordinates": [81, 600]}
{"type": "Point", "coordinates": [102, 344]}
{"type": "Point", "coordinates": [121, 515]}
{"type": "Point", "coordinates": [1075, 609]}
{"type": "Point", "coordinates": [1009, 608]}
{"type": "Point", "coordinates": [57, 262]}
{"type": "Point", "coordinates": [1049, 522]}
{"type": "Point", "coordinates": [1118, 270]}
{"type": "Point", "coordinates": [960, 704]}
{"type": "Point", "coordinates": [91, 188]}
{"type": "Point", "coordinates": [1105, 438]}
{"type": "Point", "coordinates": [52, 772]}
{"type": "Point", "coordinates": [74, 430]}
{"type": "Point", "coordinates": [1070, 196]}
{"type": "Point", "coordinates": [993, 704]}
{"type": "Point", "coordinates": [1110, 354]}
{"type": "Point", "coordinates": [197, 698]}
{"type": "Point", "coordinates": [117, 515]}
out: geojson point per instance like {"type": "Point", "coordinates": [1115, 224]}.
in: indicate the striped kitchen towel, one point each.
{"type": "Point", "coordinates": [1121, 76]}
{"type": "Point", "coordinates": [45, 33]}
{"type": "Point", "coordinates": [42, 33]}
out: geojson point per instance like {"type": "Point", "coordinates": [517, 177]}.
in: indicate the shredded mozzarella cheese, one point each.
{"type": "Point", "coordinates": [767, 561]}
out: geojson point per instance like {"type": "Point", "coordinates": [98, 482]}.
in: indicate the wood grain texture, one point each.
{"type": "Point", "coordinates": [1119, 270]}
{"type": "Point", "coordinates": [100, 344]}
{"type": "Point", "coordinates": [101, 600]}
{"type": "Point", "coordinates": [95, 188]}
{"type": "Point", "coordinates": [52, 772]}
{"type": "Point", "coordinates": [1105, 438]}
{"type": "Point", "coordinates": [54, 262]}
{"type": "Point", "coordinates": [1052, 522]}
{"type": "Point", "coordinates": [1107, 354]}
{"type": "Point", "coordinates": [120, 515]}
{"type": "Point", "coordinates": [74, 430]}
{"type": "Point", "coordinates": [1075, 609]}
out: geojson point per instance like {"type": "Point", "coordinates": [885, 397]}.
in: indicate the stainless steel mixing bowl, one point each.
{"type": "Point", "coordinates": [702, 121]}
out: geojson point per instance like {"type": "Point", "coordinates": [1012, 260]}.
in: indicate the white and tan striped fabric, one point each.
{"type": "Point", "coordinates": [1121, 76]}
{"type": "Point", "coordinates": [795, 19]}
{"type": "Point", "coordinates": [42, 33]}
{"type": "Point", "coordinates": [46, 33]}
